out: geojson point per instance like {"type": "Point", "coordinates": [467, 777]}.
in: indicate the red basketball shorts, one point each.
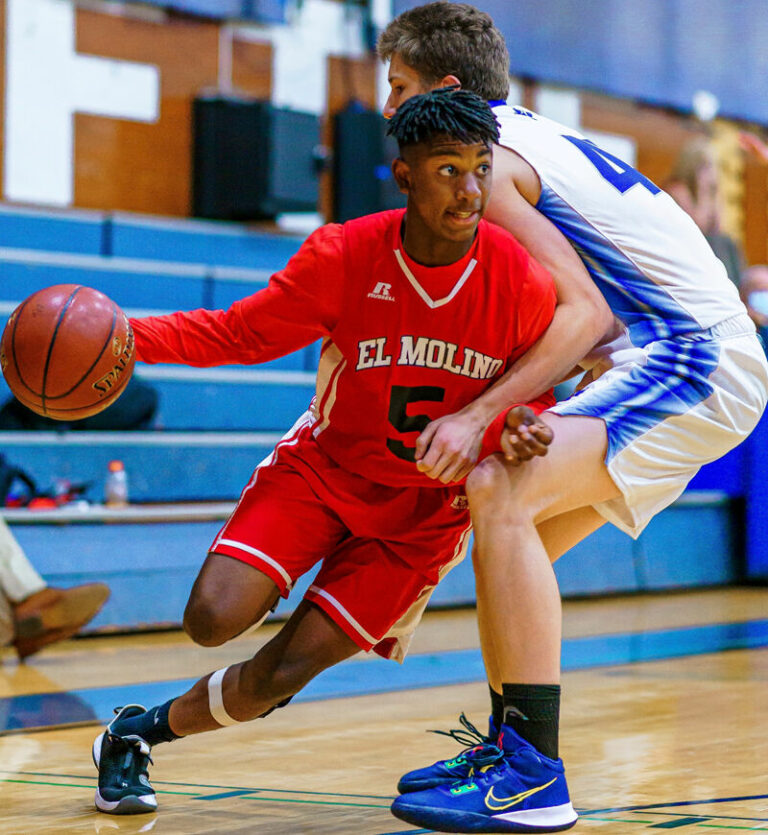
{"type": "Point", "coordinates": [383, 549]}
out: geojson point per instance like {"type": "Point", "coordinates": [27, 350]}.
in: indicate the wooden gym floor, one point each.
{"type": "Point", "coordinates": [664, 726]}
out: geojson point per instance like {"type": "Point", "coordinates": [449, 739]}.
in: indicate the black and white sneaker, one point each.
{"type": "Point", "coordinates": [122, 761]}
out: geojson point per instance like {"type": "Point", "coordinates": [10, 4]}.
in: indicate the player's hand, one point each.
{"type": "Point", "coordinates": [525, 435]}
{"type": "Point", "coordinates": [448, 448]}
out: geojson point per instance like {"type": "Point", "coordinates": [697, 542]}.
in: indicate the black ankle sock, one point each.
{"type": "Point", "coordinates": [152, 725]}
{"type": "Point", "coordinates": [497, 708]}
{"type": "Point", "coordinates": [533, 711]}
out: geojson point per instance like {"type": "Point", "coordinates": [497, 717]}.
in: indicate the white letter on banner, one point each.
{"type": "Point", "coordinates": [47, 82]}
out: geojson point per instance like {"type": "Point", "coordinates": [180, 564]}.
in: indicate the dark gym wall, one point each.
{"type": "Point", "coordinates": [659, 51]}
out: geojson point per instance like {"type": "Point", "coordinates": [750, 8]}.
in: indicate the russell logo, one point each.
{"type": "Point", "coordinates": [381, 291]}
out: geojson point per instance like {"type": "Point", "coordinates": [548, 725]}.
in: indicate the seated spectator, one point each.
{"type": "Point", "coordinates": [134, 409]}
{"type": "Point", "coordinates": [754, 294]}
{"type": "Point", "coordinates": [694, 185]}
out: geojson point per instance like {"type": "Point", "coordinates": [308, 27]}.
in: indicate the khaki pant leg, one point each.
{"type": "Point", "coordinates": [18, 578]}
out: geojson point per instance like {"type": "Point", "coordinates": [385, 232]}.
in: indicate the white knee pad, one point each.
{"type": "Point", "coordinates": [216, 699]}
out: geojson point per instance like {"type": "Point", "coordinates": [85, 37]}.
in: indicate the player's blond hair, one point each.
{"type": "Point", "coordinates": [444, 38]}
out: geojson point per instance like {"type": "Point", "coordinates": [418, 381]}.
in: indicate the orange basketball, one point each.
{"type": "Point", "coordinates": [67, 352]}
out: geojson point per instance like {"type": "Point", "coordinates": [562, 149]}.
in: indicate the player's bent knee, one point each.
{"type": "Point", "coordinates": [202, 633]}
{"type": "Point", "coordinates": [498, 491]}
{"type": "Point", "coordinates": [487, 480]}
{"type": "Point", "coordinates": [207, 626]}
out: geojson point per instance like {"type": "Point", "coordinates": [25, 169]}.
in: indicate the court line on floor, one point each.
{"type": "Point", "coordinates": [677, 803]}
{"type": "Point", "coordinates": [90, 779]}
{"type": "Point", "coordinates": [263, 795]}
{"type": "Point", "coordinates": [366, 677]}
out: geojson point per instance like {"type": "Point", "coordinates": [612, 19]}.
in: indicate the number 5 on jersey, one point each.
{"type": "Point", "coordinates": [399, 398]}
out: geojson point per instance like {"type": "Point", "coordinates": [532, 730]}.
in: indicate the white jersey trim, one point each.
{"type": "Point", "coordinates": [425, 297]}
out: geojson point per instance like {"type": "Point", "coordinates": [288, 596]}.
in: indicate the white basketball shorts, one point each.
{"type": "Point", "coordinates": [671, 407]}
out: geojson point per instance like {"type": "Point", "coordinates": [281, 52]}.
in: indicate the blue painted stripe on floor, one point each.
{"type": "Point", "coordinates": [361, 677]}
{"type": "Point", "coordinates": [409, 832]}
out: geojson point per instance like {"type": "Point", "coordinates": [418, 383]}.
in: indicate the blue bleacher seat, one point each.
{"type": "Point", "coordinates": [65, 231]}
{"type": "Point", "coordinates": [198, 241]}
{"type": "Point", "coordinates": [139, 286]}
{"type": "Point", "coordinates": [229, 397]}
{"type": "Point", "coordinates": [128, 282]}
{"type": "Point", "coordinates": [228, 284]}
{"type": "Point", "coordinates": [161, 466]}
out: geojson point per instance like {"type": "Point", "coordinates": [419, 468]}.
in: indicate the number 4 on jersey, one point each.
{"type": "Point", "coordinates": [620, 175]}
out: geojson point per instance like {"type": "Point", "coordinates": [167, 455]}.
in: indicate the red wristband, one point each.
{"type": "Point", "coordinates": [492, 435]}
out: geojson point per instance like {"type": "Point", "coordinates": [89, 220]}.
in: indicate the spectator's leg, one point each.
{"type": "Point", "coordinates": [7, 630]}
{"type": "Point", "coordinates": [18, 578]}
{"type": "Point", "coordinates": [40, 615]}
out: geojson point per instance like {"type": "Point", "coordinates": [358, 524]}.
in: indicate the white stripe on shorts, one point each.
{"type": "Point", "coordinates": [344, 613]}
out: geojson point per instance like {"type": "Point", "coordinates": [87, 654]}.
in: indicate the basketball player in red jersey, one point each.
{"type": "Point", "coordinates": [420, 311]}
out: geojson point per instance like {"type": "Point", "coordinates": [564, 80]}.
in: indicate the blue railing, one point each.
{"type": "Point", "coordinates": [259, 11]}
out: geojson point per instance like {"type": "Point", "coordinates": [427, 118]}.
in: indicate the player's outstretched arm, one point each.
{"type": "Point", "coordinates": [301, 303]}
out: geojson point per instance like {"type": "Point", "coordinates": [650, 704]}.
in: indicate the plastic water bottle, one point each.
{"type": "Point", "coordinates": [116, 485]}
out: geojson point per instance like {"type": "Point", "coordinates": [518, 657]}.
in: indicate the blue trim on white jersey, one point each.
{"type": "Point", "coordinates": [674, 379]}
{"type": "Point", "coordinates": [646, 309]}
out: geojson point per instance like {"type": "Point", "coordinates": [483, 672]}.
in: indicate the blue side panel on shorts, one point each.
{"type": "Point", "coordinates": [646, 309]}
{"type": "Point", "coordinates": [674, 379]}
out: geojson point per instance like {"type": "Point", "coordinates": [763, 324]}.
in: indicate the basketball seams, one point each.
{"type": "Point", "coordinates": [63, 414]}
{"type": "Point", "coordinates": [101, 402]}
{"type": "Point", "coordinates": [95, 362]}
{"type": "Point", "coordinates": [57, 413]}
{"type": "Point", "coordinates": [52, 342]}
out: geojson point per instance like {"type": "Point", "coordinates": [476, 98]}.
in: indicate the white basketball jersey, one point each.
{"type": "Point", "coordinates": [647, 256]}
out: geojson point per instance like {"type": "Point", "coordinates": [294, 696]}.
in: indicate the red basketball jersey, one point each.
{"type": "Point", "coordinates": [403, 344]}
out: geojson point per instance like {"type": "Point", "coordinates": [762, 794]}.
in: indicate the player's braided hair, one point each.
{"type": "Point", "coordinates": [444, 111]}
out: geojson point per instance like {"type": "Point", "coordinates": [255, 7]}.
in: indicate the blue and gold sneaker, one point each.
{"type": "Point", "coordinates": [482, 751]}
{"type": "Point", "coordinates": [524, 791]}
{"type": "Point", "coordinates": [122, 761]}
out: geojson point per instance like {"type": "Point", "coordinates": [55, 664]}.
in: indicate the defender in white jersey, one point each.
{"type": "Point", "coordinates": [687, 349]}
{"type": "Point", "coordinates": [677, 381]}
